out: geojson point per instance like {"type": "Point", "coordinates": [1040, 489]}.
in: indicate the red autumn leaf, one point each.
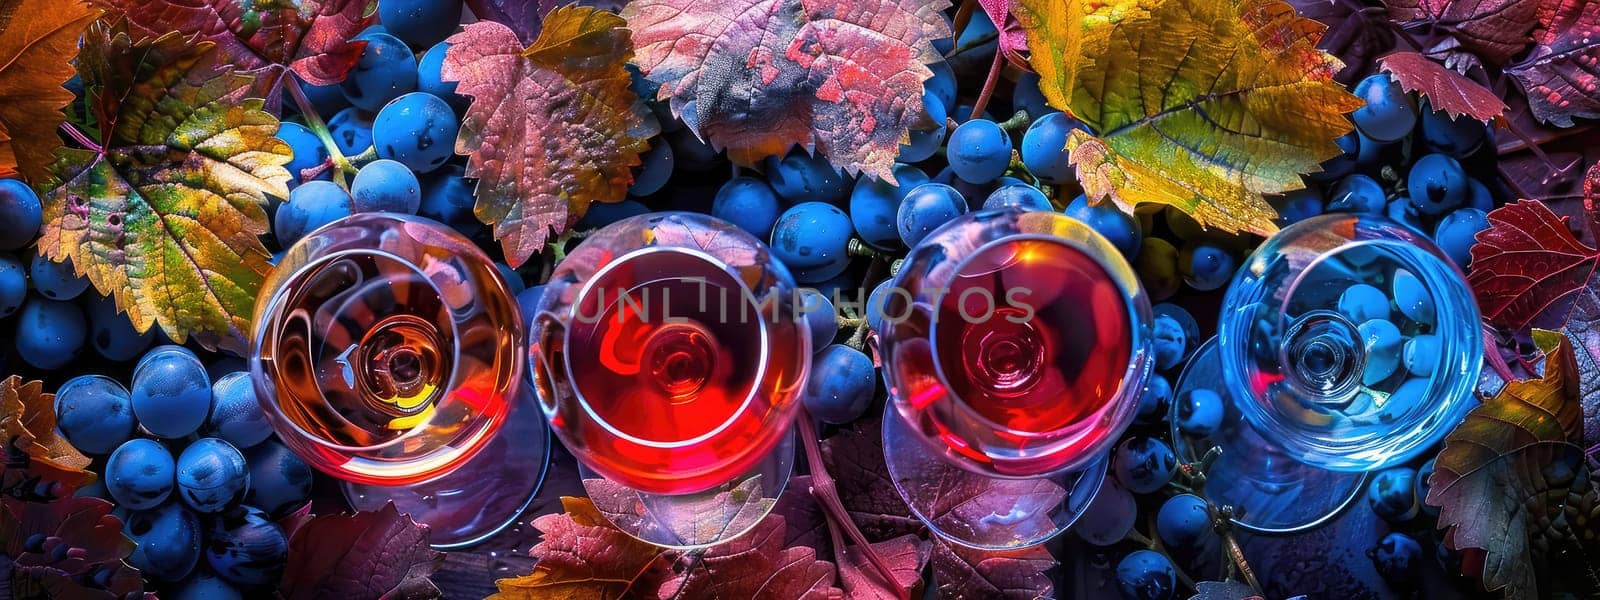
{"type": "Point", "coordinates": [1013, 40]}
{"type": "Point", "coordinates": [309, 37]}
{"type": "Point", "coordinates": [963, 572]}
{"type": "Point", "coordinates": [905, 556]}
{"type": "Point", "coordinates": [1494, 30]}
{"type": "Point", "coordinates": [758, 77]}
{"type": "Point", "coordinates": [805, 523]}
{"type": "Point", "coordinates": [1561, 76]}
{"type": "Point", "coordinates": [1445, 90]}
{"type": "Point", "coordinates": [855, 458]}
{"type": "Point", "coordinates": [1528, 268]}
{"type": "Point", "coordinates": [551, 127]}
{"type": "Point", "coordinates": [754, 565]}
{"type": "Point", "coordinates": [36, 463]}
{"type": "Point", "coordinates": [364, 555]}
{"type": "Point", "coordinates": [85, 525]}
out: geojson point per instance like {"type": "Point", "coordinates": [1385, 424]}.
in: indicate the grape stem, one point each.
{"type": "Point", "coordinates": [827, 495]}
{"type": "Point", "coordinates": [988, 84]}
{"type": "Point", "coordinates": [1223, 521]}
{"type": "Point", "coordinates": [1018, 120]}
{"type": "Point", "coordinates": [79, 137]}
{"type": "Point", "coordinates": [320, 129]}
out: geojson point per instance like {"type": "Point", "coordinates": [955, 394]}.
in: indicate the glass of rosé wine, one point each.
{"type": "Point", "coordinates": [668, 353]}
{"type": "Point", "coordinates": [1015, 346]}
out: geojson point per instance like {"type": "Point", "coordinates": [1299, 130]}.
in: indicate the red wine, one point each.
{"type": "Point", "coordinates": [1021, 359]}
{"type": "Point", "coordinates": [678, 374]}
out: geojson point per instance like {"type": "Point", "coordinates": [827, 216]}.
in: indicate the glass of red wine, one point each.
{"type": "Point", "coordinates": [668, 356]}
{"type": "Point", "coordinates": [1015, 346]}
{"type": "Point", "coordinates": [388, 353]}
{"type": "Point", "coordinates": [1346, 344]}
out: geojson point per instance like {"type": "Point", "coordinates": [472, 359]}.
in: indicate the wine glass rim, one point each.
{"type": "Point", "coordinates": [1133, 375]}
{"type": "Point", "coordinates": [280, 295]}
{"type": "Point", "coordinates": [745, 292]}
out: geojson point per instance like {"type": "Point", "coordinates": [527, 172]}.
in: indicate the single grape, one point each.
{"type": "Point", "coordinates": [1026, 96]}
{"type": "Point", "coordinates": [1412, 297]}
{"type": "Point", "coordinates": [245, 547]}
{"type": "Point", "coordinates": [925, 208]}
{"type": "Point", "coordinates": [1121, 229]}
{"type": "Point", "coordinates": [1400, 211]}
{"type": "Point", "coordinates": [307, 148]}
{"type": "Point", "coordinates": [1457, 232]}
{"type": "Point", "coordinates": [50, 333]}
{"type": "Point", "coordinates": [748, 203]}
{"type": "Point", "coordinates": [166, 541]}
{"type": "Point", "coordinates": [326, 99]}
{"type": "Point", "coordinates": [1479, 196]}
{"type": "Point", "coordinates": [655, 168]}
{"type": "Point", "coordinates": [1392, 494]}
{"type": "Point", "coordinates": [447, 198]}
{"type": "Point", "coordinates": [140, 474]}
{"type": "Point", "coordinates": [418, 130]}
{"type": "Point", "coordinates": [821, 318]}
{"type": "Point", "coordinates": [1146, 575]}
{"type": "Point", "coordinates": [926, 140]}
{"type": "Point", "coordinates": [1044, 147]}
{"type": "Point", "coordinates": [279, 481]}
{"type": "Point", "coordinates": [351, 129]}
{"type": "Point", "coordinates": [1154, 402]}
{"type": "Point", "coordinates": [1170, 342]}
{"type": "Point", "coordinates": [1389, 113]}
{"type": "Point", "coordinates": [1296, 206]}
{"type": "Point", "coordinates": [1421, 355]}
{"type": "Point", "coordinates": [1458, 137]}
{"type": "Point", "coordinates": [1200, 412]}
{"type": "Point", "coordinates": [1206, 266]}
{"type": "Point", "coordinates": [13, 284]}
{"type": "Point", "coordinates": [311, 205]}
{"type": "Point", "coordinates": [1157, 266]}
{"type": "Point", "coordinates": [94, 413]}
{"type": "Point", "coordinates": [878, 305]}
{"type": "Point", "coordinates": [429, 79]}
{"type": "Point", "coordinates": [1362, 302]}
{"type": "Point", "coordinates": [802, 177]}
{"type": "Point", "coordinates": [235, 414]}
{"type": "Point", "coordinates": [812, 236]}
{"type": "Point", "coordinates": [1383, 343]}
{"type": "Point", "coordinates": [385, 70]}
{"type": "Point", "coordinates": [1110, 515]}
{"type": "Point", "coordinates": [1436, 184]}
{"type": "Point", "coordinates": [601, 214]}
{"type": "Point", "coordinates": [1373, 153]}
{"type": "Point", "coordinates": [56, 280]}
{"type": "Point", "coordinates": [840, 386]}
{"type": "Point", "coordinates": [874, 202]}
{"type": "Point", "coordinates": [21, 212]}
{"type": "Point", "coordinates": [421, 23]}
{"type": "Point", "coordinates": [1184, 522]}
{"type": "Point", "coordinates": [385, 186]}
{"type": "Point", "coordinates": [690, 153]}
{"type": "Point", "coordinates": [1398, 558]}
{"type": "Point", "coordinates": [1186, 321]}
{"type": "Point", "coordinates": [1144, 464]}
{"type": "Point", "coordinates": [979, 151]}
{"type": "Point", "coordinates": [943, 83]}
{"type": "Point", "coordinates": [211, 475]}
{"type": "Point", "coordinates": [1423, 474]}
{"type": "Point", "coordinates": [171, 392]}
{"type": "Point", "coordinates": [1356, 194]}
{"type": "Point", "coordinates": [110, 331]}
{"type": "Point", "coordinates": [1020, 195]}
{"type": "Point", "coordinates": [1343, 164]}
{"type": "Point", "coordinates": [204, 586]}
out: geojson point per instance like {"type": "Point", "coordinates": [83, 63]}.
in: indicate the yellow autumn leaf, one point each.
{"type": "Point", "coordinates": [1204, 106]}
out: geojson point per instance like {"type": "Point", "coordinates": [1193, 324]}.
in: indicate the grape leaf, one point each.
{"type": "Point", "coordinates": [364, 555]}
{"type": "Point", "coordinates": [806, 524]}
{"type": "Point", "coordinates": [48, 582]}
{"type": "Point", "coordinates": [1510, 457]}
{"type": "Point", "coordinates": [758, 77]}
{"type": "Point", "coordinates": [1204, 106]}
{"type": "Point", "coordinates": [551, 128]}
{"type": "Point", "coordinates": [1494, 30]}
{"type": "Point", "coordinates": [1561, 76]}
{"type": "Point", "coordinates": [309, 37]}
{"type": "Point", "coordinates": [38, 39]}
{"type": "Point", "coordinates": [1528, 268]}
{"type": "Point", "coordinates": [854, 456]}
{"type": "Point", "coordinates": [84, 525]}
{"type": "Point", "coordinates": [1445, 90]}
{"type": "Point", "coordinates": [1356, 36]}
{"type": "Point", "coordinates": [905, 556]}
{"type": "Point", "coordinates": [38, 463]}
{"type": "Point", "coordinates": [581, 556]}
{"type": "Point", "coordinates": [1012, 39]}
{"type": "Point", "coordinates": [962, 572]}
{"type": "Point", "coordinates": [166, 217]}
{"type": "Point", "coordinates": [527, 16]}
{"type": "Point", "coordinates": [754, 565]}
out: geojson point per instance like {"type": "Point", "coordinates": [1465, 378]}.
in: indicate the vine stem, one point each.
{"type": "Point", "coordinates": [320, 128]}
{"type": "Point", "coordinates": [79, 137]}
{"type": "Point", "coordinates": [827, 494]}
{"type": "Point", "coordinates": [988, 84]}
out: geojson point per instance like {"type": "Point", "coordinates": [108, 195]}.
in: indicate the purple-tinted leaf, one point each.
{"type": "Point", "coordinates": [1356, 36]}
{"type": "Point", "coordinates": [905, 557]}
{"type": "Point", "coordinates": [364, 555]}
{"type": "Point", "coordinates": [1562, 75]}
{"type": "Point", "coordinates": [963, 572]}
{"type": "Point", "coordinates": [855, 458]}
{"type": "Point", "coordinates": [1013, 40]}
{"type": "Point", "coordinates": [1494, 30]}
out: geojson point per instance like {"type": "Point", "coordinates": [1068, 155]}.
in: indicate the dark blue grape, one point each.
{"type": "Point", "coordinates": [1143, 464]}
{"type": "Point", "coordinates": [50, 333]}
{"type": "Point", "coordinates": [1170, 342]}
{"type": "Point", "coordinates": [1456, 233]}
{"type": "Point", "coordinates": [245, 547]}
{"type": "Point", "coordinates": [925, 141]}
{"type": "Point", "coordinates": [326, 99]}
{"type": "Point", "coordinates": [1020, 195]}
{"type": "Point", "coordinates": [979, 151]}
{"type": "Point", "coordinates": [1392, 494]}
{"type": "Point", "coordinates": [1146, 575]}
{"type": "Point", "coordinates": [1109, 516]}
{"type": "Point", "coordinates": [1343, 164]}
{"type": "Point", "coordinates": [1025, 96]}
{"type": "Point", "coordinates": [21, 212]}
{"type": "Point", "coordinates": [943, 83]}
{"type": "Point", "coordinates": [1199, 412]}
{"type": "Point", "coordinates": [236, 415]}
{"type": "Point", "coordinates": [840, 386]}
{"type": "Point", "coordinates": [820, 316]}
{"type": "Point", "coordinates": [601, 214]}
{"type": "Point", "coordinates": [1389, 113]}
{"type": "Point", "coordinates": [94, 413]}
{"type": "Point", "coordinates": [312, 205]}
{"type": "Point", "coordinates": [1356, 194]}
{"type": "Point", "coordinates": [1400, 211]}
{"type": "Point", "coordinates": [654, 170]}
{"type": "Point", "coordinates": [1044, 147]}
{"type": "Point", "coordinates": [140, 474]}
{"type": "Point", "coordinates": [308, 151]}
{"type": "Point", "coordinates": [690, 153]}
{"type": "Point", "coordinates": [972, 194]}
{"type": "Point", "coordinates": [110, 331]}
{"type": "Point", "coordinates": [802, 177]}
{"type": "Point", "coordinates": [13, 284]}
{"type": "Point", "coordinates": [1184, 522]}
{"type": "Point", "coordinates": [171, 392]}
{"type": "Point", "coordinates": [420, 23]}
{"type": "Point", "coordinates": [812, 239]}
{"type": "Point", "coordinates": [447, 198]}
{"type": "Point", "coordinates": [204, 586]}
{"type": "Point", "coordinates": [1299, 205]}
{"type": "Point", "coordinates": [1154, 402]}
{"type": "Point", "coordinates": [1118, 227]}
{"type": "Point", "coordinates": [874, 202]}
{"type": "Point", "coordinates": [925, 208]}
{"type": "Point", "coordinates": [1436, 184]}
{"type": "Point", "coordinates": [1398, 558]}
{"type": "Point", "coordinates": [418, 130]}
{"type": "Point", "coordinates": [352, 130]}
{"type": "Point", "coordinates": [56, 280]}
{"type": "Point", "coordinates": [167, 541]}
{"type": "Point", "coordinates": [211, 475]}
{"type": "Point", "coordinates": [1479, 196]}
{"type": "Point", "coordinates": [513, 279]}
{"type": "Point", "coordinates": [279, 481]}
{"type": "Point", "coordinates": [1361, 303]}
{"type": "Point", "coordinates": [429, 80]}
{"type": "Point", "coordinates": [748, 203]}
{"type": "Point", "coordinates": [1411, 297]}
{"type": "Point", "coordinates": [385, 70]}
{"type": "Point", "coordinates": [1458, 137]}
{"type": "Point", "coordinates": [1207, 266]}
{"type": "Point", "coordinates": [385, 186]}
{"type": "Point", "coordinates": [877, 304]}
{"type": "Point", "coordinates": [1423, 474]}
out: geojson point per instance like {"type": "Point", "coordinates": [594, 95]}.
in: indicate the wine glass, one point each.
{"type": "Point", "coordinates": [388, 352]}
{"type": "Point", "coordinates": [1015, 346]}
{"type": "Point", "coordinates": [1347, 344]}
{"type": "Point", "coordinates": [668, 355]}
